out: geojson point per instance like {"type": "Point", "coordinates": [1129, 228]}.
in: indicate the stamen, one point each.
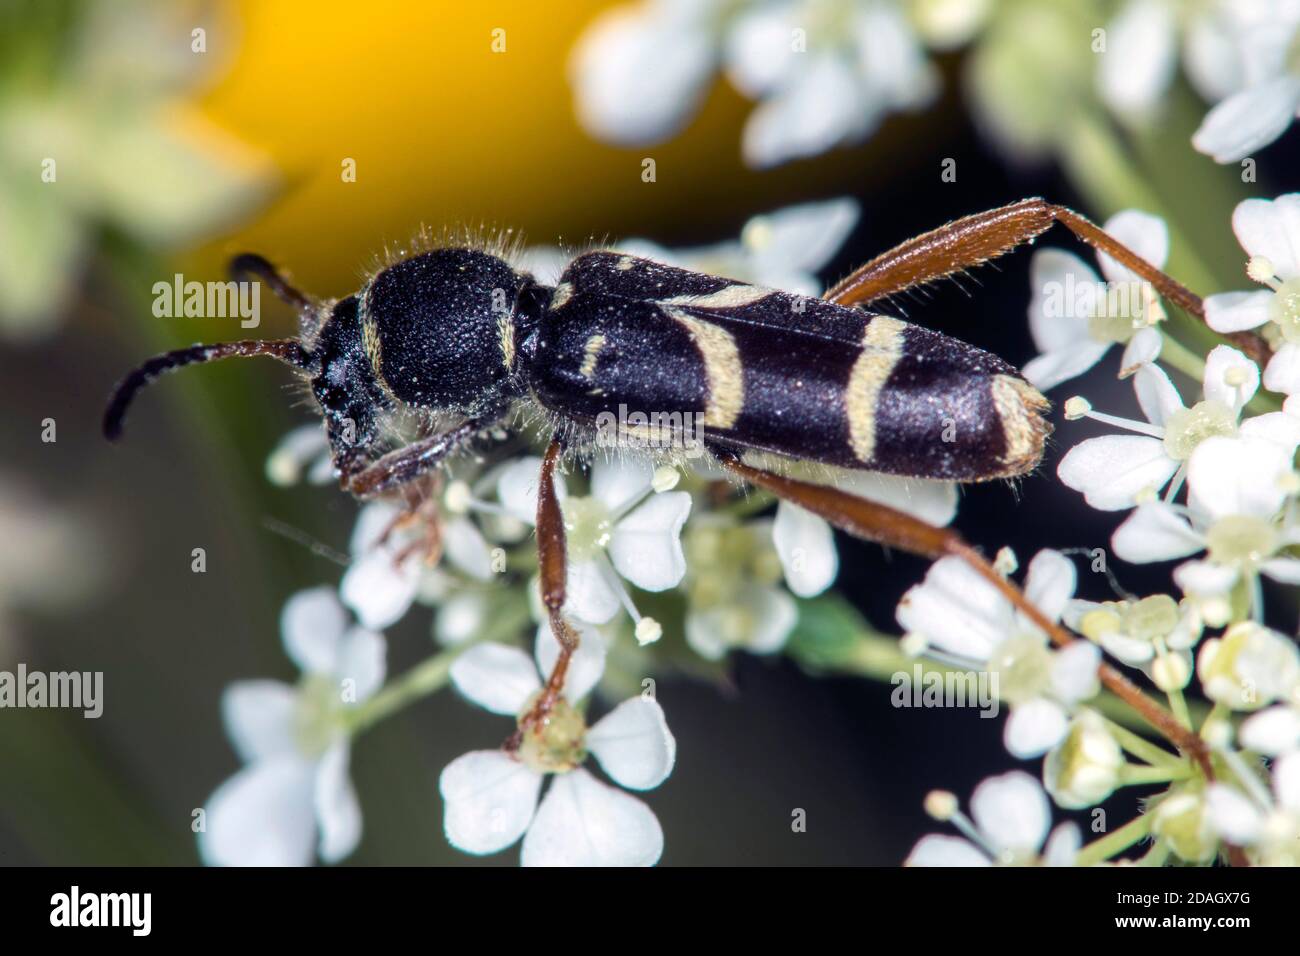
{"type": "Point", "coordinates": [1260, 269]}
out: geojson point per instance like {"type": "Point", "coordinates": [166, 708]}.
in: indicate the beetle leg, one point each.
{"type": "Point", "coordinates": [552, 554]}
{"type": "Point", "coordinates": [973, 240]}
{"type": "Point", "coordinates": [887, 526]}
{"type": "Point", "coordinates": [407, 464]}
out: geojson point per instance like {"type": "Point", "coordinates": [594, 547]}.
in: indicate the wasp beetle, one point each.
{"type": "Point", "coordinates": [460, 331]}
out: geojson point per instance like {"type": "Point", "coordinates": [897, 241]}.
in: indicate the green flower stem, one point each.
{"type": "Point", "coordinates": [420, 681]}
{"type": "Point", "coordinates": [1135, 775]}
{"type": "Point", "coordinates": [1119, 841]}
{"type": "Point", "coordinates": [433, 673]}
{"type": "Point", "coordinates": [1156, 856]}
{"type": "Point", "coordinates": [1142, 748]}
{"type": "Point", "coordinates": [1176, 355]}
{"type": "Point", "coordinates": [1178, 704]}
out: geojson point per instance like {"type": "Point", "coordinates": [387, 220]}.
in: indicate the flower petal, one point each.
{"type": "Point", "coordinates": [633, 744]}
{"type": "Point", "coordinates": [583, 822]}
{"type": "Point", "coordinates": [1223, 366]}
{"type": "Point", "coordinates": [1138, 64]}
{"type": "Point", "coordinates": [1238, 311]}
{"type": "Point", "coordinates": [1050, 582]}
{"type": "Point", "coordinates": [587, 665]}
{"type": "Point", "coordinates": [465, 548]}
{"type": "Point", "coordinates": [1052, 368]}
{"type": "Point", "coordinates": [806, 546]}
{"type": "Point", "coordinates": [1280, 428]}
{"type": "Point", "coordinates": [488, 801]}
{"type": "Point", "coordinates": [645, 546]}
{"type": "Point", "coordinates": [618, 480]}
{"type": "Point", "coordinates": [818, 108]}
{"type": "Point", "coordinates": [1282, 374]}
{"type": "Point", "coordinates": [1237, 476]}
{"type": "Point", "coordinates": [379, 590]}
{"type": "Point", "coordinates": [1248, 120]}
{"type": "Point", "coordinates": [1145, 234]}
{"type": "Point", "coordinates": [312, 625]}
{"type": "Point", "coordinates": [1058, 320]}
{"type": "Point", "coordinates": [460, 617]}
{"type": "Point", "coordinates": [1155, 532]}
{"type": "Point", "coordinates": [1012, 811]}
{"type": "Point", "coordinates": [338, 813]}
{"type": "Point", "coordinates": [1271, 228]}
{"type": "Point", "coordinates": [802, 238]}
{"type": "Point", "coordinates": [939, 850]}
{"type": "Point", "coordinates": [1034, 727]}
{"type": "Point", "coordinates": [517, 488]}
{"type": "Point", "coordinates": [497, 677]}
{"type": "Point", "coordinates": [1232, 815]}
{"type": "Point", "coordinates": [1074, 671]}
{"type": "Point", "coordinates": [262, 816]}
{"type": "Point", "coordinates": [589, 593]}
{"type": "Point", "coordinates": [639, 74]}
{"type": "Point", "coordinates": [363, 660]}
{"type": "Point", "coordinates": [934, 502]}
{"type": "Point", "coordinates": [259, 718]}
{"type": "Point", "coordinates": [1273, 731]}
{"type": "Point", "coordinates": [1156, 394]}
{"type": "Point", "coordinates": [956, 610]}
{"type": "Point", "coordinates": [1113, 470]}
{"type": "Point", "coordinates": [1142, 349]}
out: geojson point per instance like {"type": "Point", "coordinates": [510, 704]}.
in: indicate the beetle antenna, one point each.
{"type": "Point", "coordinates": [251, 264]}
{"type": "Point", "coordinates": [288, 351]}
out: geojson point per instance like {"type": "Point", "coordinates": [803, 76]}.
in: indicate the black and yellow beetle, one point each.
{"type": "Point", "coordinates": [460, 331]}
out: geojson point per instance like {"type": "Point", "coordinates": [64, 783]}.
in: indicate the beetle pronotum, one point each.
{"type": "Point", "coordinates": [460, 331]}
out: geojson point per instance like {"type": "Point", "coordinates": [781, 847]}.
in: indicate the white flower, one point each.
{"type": "Point", "coordinates": [640, 71]}
{"type": "Point", "coordinates": [1269, 232]}
{"type": "Point", "coordinates": [824, 83]}
{"type": "Point", "coordinates": [824, 73]}
{"type": "Point", "coordinates": [805, 543]}
{"type": "Point", "coordinates": [1275, 730]}
{"type": "Point", "coordinates": [1249, 667]}
{"type": "Point", "coordinates": [622, 529]}
{"type": "Point", "coordinates": [1084, 768]}
{"type": "Point", "coordinates": [1154, 634]}
{"type": "Point", "coordinates": [1137, 67]}
{"type": "Point", "coordinates": [1116, 472]}
{"type": "Point", "coordinates": [303, 450]}
{"type": "Point", "coordinates": [962, 617]}
{"type": "Point", "coordinates": [295, 744]}
{"type": "Point", "coordinates": [733, 601]}
{"type": "Point", "coordinates": [1236, 488]}
{"type": "Point", "coordinates": [1265, 35]}
{"type": "Point", "coordinates": [1271, 827]}
{"type": "Point", "coordinates": [390, 556]}
{"type": "Point", "coordinates": [1075, 317]}
{"type": "Point", "coordinates": [490, 796]}
{"type": "Point", "coordinates": [783, 250]}
{"type": "Point", "coordinates": [1011, 820]}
